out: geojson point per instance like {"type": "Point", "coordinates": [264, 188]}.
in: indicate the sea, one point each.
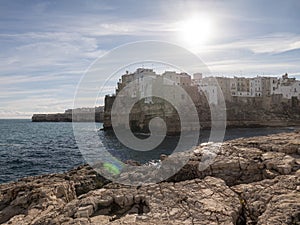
{"type": "Point", "coordinates": [28, 148]}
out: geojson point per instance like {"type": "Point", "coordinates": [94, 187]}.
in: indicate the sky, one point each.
{"type": "Point", "coordinates": [47, 46]}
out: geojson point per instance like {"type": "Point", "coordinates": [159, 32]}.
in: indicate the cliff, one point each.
{"type": "Point", "coordinates": [79, 115]}
{"type": "Point", "coordinates": [267, 111]}
{"type": "Point", "coordinates": [251, 181]}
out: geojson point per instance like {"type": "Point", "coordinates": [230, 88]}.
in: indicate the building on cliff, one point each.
{"type": "Point", "coordinates": [288, 87]}
{"type": "Point", "coordinates": [256, 101]}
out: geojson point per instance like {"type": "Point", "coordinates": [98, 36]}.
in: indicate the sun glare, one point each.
{"type": "Point", "coordinates": [195, 31]}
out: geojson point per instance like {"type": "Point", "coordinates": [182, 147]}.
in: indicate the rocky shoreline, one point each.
{"type": "Point", "coordinates": [251, 181]}
{"type": "Point", "coordinates": [67, 117]}
{"type": "Point", "coordinates": [95, 114]}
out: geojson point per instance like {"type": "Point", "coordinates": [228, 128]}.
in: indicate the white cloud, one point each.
{"type": "Point", "coordinates": [273, 43]}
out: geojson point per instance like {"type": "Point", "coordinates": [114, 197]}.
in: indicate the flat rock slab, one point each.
{"type": "Point", "coordinates": [274, 201]}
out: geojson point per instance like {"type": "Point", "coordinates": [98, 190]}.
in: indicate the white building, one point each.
{"type": "Point", "coordinates": [240, 86]}
{"type": "Point", "coordinates": [139, 89]}
{"type": "Point", "coordinates": [206, 85]}
{"type": "Point", "coordinates": [256, 86]}
{"type": "Point", "coordinates": [237, 86]}
{"type": "Point", "coordinates": [211, 93]}
{"type": "Point", "coordinates": [274, 83]}
{"type": "Point", "coordinates": [197, 77]}
{"type": "Point", "coordinates": [144, 78]}
{"type": "Point", "coordinates": [182, 79]}
{"type": "Point", "coordinates": [288, 87]}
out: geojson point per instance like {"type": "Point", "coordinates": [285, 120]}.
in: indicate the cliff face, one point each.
{"type": "Point", "coordinates": [251, 181]}
{"type": "Point", "coordinates": [267, 111]}
{"type": "Point", "coordinates": [67, 117]}
{"type": "Point", "coordinates": [58, 117]}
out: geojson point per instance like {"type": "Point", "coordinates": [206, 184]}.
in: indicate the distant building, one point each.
{"type": "Point", "coordinates": [197, 77]}
{"type": "Point", "coordinates": [224, 84]}
{"type": "Point", "coordinates": [249, 101]}
{"type": "Point", "coordinates": [138, 76]}
{"type": "Point", "coordinates": [211, 93]}
{"type": "Point", "coordinates": [209, 86]}
{"type": "Point", "coordinates": [182, 79]}
{"type": "Point", "coordinates": [240, 86]}
{"type": "Point", "coordinates": [258, 86]}
{"type": "Point", "coordinates": [288, 87]}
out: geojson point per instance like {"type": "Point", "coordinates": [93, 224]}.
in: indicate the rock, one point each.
{"type": "Point", "coordinates": [35, 195]}
{"type": "Point", "coordinates": [288, 143]}
{"type": "Point", "coordinates": [163, 157]}
{"type": "Point", "coordinates": [85, 211]}
{"type": "Point", "coordinates": [85, 179]}
{"type": "Point", "coordinates": [244, 160]}
{"type": "Point", "coordinates": [200, 201]}
{"type": "Point", "coordinates": [163, 204]}
{"type": "Point", "coordinates": [132, 163]}
{"type": "Point", "coordinates": [244, 181]}
{"type": "Point", "coordinates": [280, 162]}
{"type": "Point", "coordinates": [275, 201]}
{"type": "Point", "coordinates": [44, 194]}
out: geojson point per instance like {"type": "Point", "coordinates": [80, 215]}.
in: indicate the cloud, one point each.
{"type": "Point", "coordinates": [46, 47]}
{"type": "Point", "coordinates": [270, 44]}
{"type": "Point", "coordinates": [62, 76]}
{"type": "Point", "coordinates": [49, 50]}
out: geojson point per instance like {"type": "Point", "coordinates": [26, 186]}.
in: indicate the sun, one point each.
{"type": "Point", "coordinates": [195, 31]}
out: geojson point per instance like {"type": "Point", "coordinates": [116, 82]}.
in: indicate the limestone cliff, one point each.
{"type": "Point", "coordinates": [267, 111]}
{"type": "Point", "coordinates": [79, 115]}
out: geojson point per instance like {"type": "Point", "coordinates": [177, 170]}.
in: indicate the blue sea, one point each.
{"type": "Point", "coordinates": [28, 148]}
